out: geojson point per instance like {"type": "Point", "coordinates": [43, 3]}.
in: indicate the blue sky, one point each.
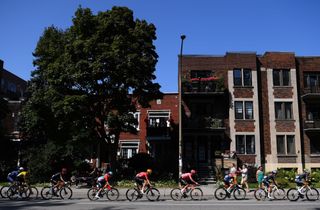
{"type": "Point", "coordinates": [211, 27]}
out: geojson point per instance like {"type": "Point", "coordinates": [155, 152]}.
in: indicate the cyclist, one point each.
{"type": "Point", "coordinates": [186, 180]}
{"type": "Point", "coordinates": [59, 179]}
{"type": "Point", "coordinates": [13, 175]}
{"type": "Point", "coordinates": [21, 177]}
{"type": "Point", "coordinates": [268, 179]}
{"type": "Point", "coordinates": [103, 182]}
{"type": "Point", "coordinates": [142, 179]}
{"type": "Point", "coordinates": [228, 181]}
{"type": "Point", "coordinates": [301, 180]}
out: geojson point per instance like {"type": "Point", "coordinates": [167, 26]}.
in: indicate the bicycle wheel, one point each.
{"type": "Point", "coordinates": [47, 193]}
{"type": "Point", "coordinates": [65, 192]}
{"type": "Point", "coordinates": [13, 193]}
{"type": "Point", "coordinates": [34, 193]}
{"type": "Point", "coordinates": [4, 191]}
{"type": "Point", "coordinates": [176, 194]}
{"type": "Point", "coordinates": [153, 194]}
{"type": "Point", "coordinates": [260, 194]}
{"type": "Point", "coordinates": [293, 194]}
{"type": "Point", "coordinates": [92, 193]}
{"type": "Point", "coordinates": [132, 194]}
{"type": "Point", "coordinates": [196, 194]}
{"type": "Point", "coordinates": [279, 194]}
{"type": "Point", "coordinates": [312, 194]}
{"type": "Point", "coordinates": [220, 193]}
{"type": "Point", "coordinates": [112, 194]}
{"type": "Point", "coordinates": [239, 194]}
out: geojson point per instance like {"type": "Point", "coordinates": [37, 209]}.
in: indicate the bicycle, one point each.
{"type": "Point", "coordinates": [64, 192]}
{"type": "Point", "coordinates": [111, 193]}
{"type": "Point", "coordinates": [311, 193]}
{"type": "Point", "coordinates": [221, 193]}
{"type": "Point", "coordinates": [278, 193]}
{"type": "Point", "coordinates": [151, 193]}
{"type": "Point", "coordinates": [195, 193]}
{"type": "Point", "coordinates": [18, 191]}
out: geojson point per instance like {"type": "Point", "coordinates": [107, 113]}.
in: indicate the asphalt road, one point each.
{"type": "Point", "coordinates": [85, 204]}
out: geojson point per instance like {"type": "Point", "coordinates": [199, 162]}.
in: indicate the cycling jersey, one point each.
{"type": "Point", "coordinates": [58, 177]}
{"type": "Point", "coordinates": [21, 177]}
{"type": "Point", "coordinates": [142, 175]}
{"type": "Point", "coordinates": [301, 178]}
{"type": "Point", "coordinates": [186, 176]}
{"type": "Point", "coordinates": [267, 179]}
{"type": "Point", "coordinates": [12, 176]}
{"type": "Point", "coordinates": [228, 179]}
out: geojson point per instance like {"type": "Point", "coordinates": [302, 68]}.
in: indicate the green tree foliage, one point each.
{"type": "Point", "coordinates": [82, 81]}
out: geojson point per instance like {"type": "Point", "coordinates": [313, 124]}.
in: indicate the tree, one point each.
{"type": "Point", "coordinates": [88, 79]}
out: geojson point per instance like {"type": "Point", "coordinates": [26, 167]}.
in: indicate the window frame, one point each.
{"type": "Point", "coordinates": [285, 144]}
{"type": "Point", "coordinates": [245, 138]}
{"type": "Point", "coordinates": [283, 115]}
{"type": "Point", "coordinates": [244, 110]}
{"type": "Point", "coordinates": [241, 81]}
{"type": "Point", "coordinates": [281, 74]}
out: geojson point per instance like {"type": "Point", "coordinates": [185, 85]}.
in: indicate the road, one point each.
{"type": "Point", "coordinates": [85, 204]}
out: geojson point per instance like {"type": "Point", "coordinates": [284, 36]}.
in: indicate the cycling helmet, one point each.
{"type": "Point", "coordinates": [193, 172]}
{"type": "Point", "coordinates": [110, 173]}
{"type": "Point", "coordinates": [21, 169]}
{"type": "Point", "coordinates": [274, 172]}
{"type": "Point", "coordinates": [149, 171]}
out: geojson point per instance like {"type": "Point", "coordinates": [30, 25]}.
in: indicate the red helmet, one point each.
{"type": "Point", "coordinates": [193, 172]}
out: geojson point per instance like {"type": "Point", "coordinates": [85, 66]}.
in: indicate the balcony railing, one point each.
{"type": "Point", "coordinates": [158, 132]}
{"type": "Point", "coordinates": [204, 123]}
{"type": "Point", "coordinates": [313, 89]}
{"type": "Point", "coordinates": [203, 85]}
{"type": "Point", "coordinates": [312, 124]}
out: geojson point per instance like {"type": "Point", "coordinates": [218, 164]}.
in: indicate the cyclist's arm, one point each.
{"type": "Point", "coordinates": [61, 178]}
{"type": "Point", "coordinates": [192, 180]}
{"type": "Point", "coordinates": [147, 180]}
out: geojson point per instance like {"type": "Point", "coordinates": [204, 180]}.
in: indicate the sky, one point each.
{"type": "Point", "coordinates": [211, 27]}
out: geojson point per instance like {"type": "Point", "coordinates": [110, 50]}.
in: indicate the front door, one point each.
{"type": "Point", "coordinates": [202, 149]}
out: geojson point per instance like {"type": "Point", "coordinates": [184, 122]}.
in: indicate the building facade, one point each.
{"type": "Point", "coordinates": [249, 108]}
{"type": "Point", "coordinates": [12, 89]}
{"type": "Point", "coordinates": [157, 133]}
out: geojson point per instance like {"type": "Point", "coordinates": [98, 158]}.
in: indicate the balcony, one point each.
{"type": "Point", "coordinates": [210, 85]}
{"type": "Point", "coordinates": [312, 125]}
{"type": "Point", "coordinates": [204, 123]}
{"type": "Point", "coordinates": [158, 133]}
{"type": "Point", "coordinates": [311, 93]}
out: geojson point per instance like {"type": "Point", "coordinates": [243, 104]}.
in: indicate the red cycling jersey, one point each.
{"type": "Point", "coordinates": [142, 175]}
{"type": "Point", "coordinates": [186, 176]}
{"type": "Point", "coordinates": [106, 177]}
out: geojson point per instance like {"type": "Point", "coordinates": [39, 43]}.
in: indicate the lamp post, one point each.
{"type": "Point", "coordinates": [180, 107]}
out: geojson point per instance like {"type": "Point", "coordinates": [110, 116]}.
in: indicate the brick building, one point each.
{"type": "Point", "coordinates": [157, 133]}
{"type": "Point", "coordinates": [263, 108]}
{"type": "Point", "coordinates": [12, 89]}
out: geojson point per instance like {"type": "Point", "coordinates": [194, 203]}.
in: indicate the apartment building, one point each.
{"type": "Point", "coordinates": [157, 133]}
{"type": "Point", "coordinates": [247, 108]}
{"type": "Point", "coordinates": [12, 89]}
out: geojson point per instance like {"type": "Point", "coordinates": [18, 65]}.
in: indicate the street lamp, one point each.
{"type": "Point", "coordinates": [180, 107]}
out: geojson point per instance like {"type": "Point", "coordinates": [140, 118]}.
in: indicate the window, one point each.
{"type": "Point", "coordinates": [283, 110]}
{"type": "Point", "coordinates": [128, 149]}
{"type": "Point", "coordinates": [315, 145]}
{"type": "Point", "coordinates": [158, 118]}
{"type": "Point", "coordinates": [242, 77]}
{"type": "Point", "coordinates": [312, 81]}
{"type": "Point", "coordinates": [281, 77]}
{"type": "Point", "coordinates": [247, 113]}
{"type": "Point", "coordinates": [137, 117]}
{"type": "Point", "coordinates": [245, 144]}
{"type": "Point", "coordinates": [286, 145]}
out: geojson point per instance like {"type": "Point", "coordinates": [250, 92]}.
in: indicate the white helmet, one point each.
{"type": "Point", "coordinates": [21, 169]}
